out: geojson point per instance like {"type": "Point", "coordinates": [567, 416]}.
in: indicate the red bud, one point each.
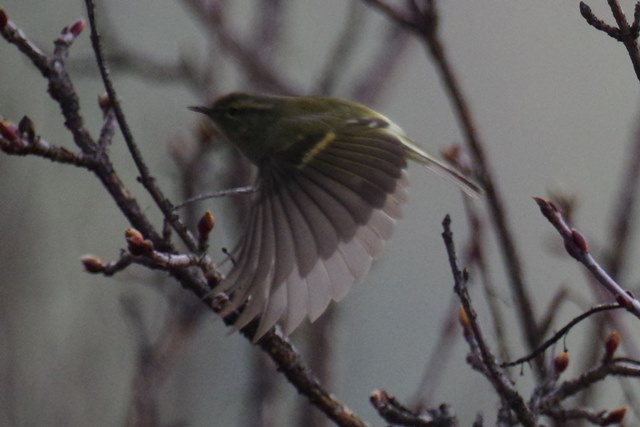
{"type": "Point", "coordinates": [77, 27]}
{"type": "Point", "coordinates": [92, 264]}
{"type": "Point", "coordinates": [579, 240]}
{"type": "Point", "coordinates": [611, 344]}
{"type": "Point", "coordinates": [546, 206]}
{"type": "Point", "coordinates": [4, 19]}
{"type": "Point", "coordinates": [138, 245]}
{"type": "Point", "coordinates": [206, 224]}
{"type": "Point", "coordinates": [560, 362]}
{"type": "Point", "coordinates": [8, 131]}
{"type": "Point", "coordinates": [616, 416]}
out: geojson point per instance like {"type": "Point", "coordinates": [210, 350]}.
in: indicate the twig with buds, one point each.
{"type": "Point", "coordinates": [576, 245]}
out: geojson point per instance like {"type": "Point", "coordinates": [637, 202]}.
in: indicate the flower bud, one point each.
{"type": "Point", "coordinates": [4, 19]}
{"type": "Point", "coordinates": [560, 362]}
{"type": "Point", "coordinates": [92, 264]}
{"type": "Point", "coordinates": [27, 128]}
{"type": "Point", "coordinates": [463, 318]}
{"type": "Point", "coordinates": [77, 27]}
{"type": "Point", "coordinates": [8, 131]}
{"type": "Point", "coordinates": [206, 224]}
{"type": "Point", "coordinates": [104, 102]}
{"type": "Point", "coordinates": [579, 239]}
{"type": "Point", "coordinates": [611, 344]}
{"type": "Point", "coordinates": [616, 416]}
{"type": "Point", "coordinates": [138, 245]}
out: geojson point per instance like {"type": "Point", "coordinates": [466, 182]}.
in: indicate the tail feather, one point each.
{"type": "Point", "coordinates": [415, 153]}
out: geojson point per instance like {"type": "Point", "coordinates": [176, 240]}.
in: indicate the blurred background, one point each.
{"type": "Point", "coordinates": [555, 105]}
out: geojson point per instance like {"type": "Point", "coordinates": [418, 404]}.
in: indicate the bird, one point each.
{"type": "Point", "coordinates": [330, 185]}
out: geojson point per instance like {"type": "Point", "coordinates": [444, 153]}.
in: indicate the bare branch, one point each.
{"type": "Point", "coordinates": [252, 63]}
{"type": "Point", "coordinates": [145, 175]}
{"type": "Point", "coordinates": [11, 142]}
{"type": "Point", "coordinates": [561, 333]}
{"type": "Point", "coordinates": [498, 379]}
{"type": "Point", "coordinates": [346, 43]}
{"type": "Point", "coordinates": [395, 413]}
{"type": "Point", "coordinates": [425, 23]}
{"type": "Point", "coordinates": [625, 33]}
{"type": "Point", "coordinates": [290, 363]}
{"type": "Point", "coordinates": [576, 245]}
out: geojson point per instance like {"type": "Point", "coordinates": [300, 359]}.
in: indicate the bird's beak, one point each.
{"type": "Point", "coordinates": [203, 110]}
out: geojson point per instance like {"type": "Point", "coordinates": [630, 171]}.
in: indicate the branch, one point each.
{"type": "Point", "coordinates": [62, 91]}
{"type": "Point", "coordinates": [346, 43]}
{"type": "Point", "coordinates": [259, 71]}
{"type": "Point", "coordinates": [425, 23]}
{"type": "Point", "coordinates": [624, 215]}
{"type": "Point", "coordinates": [397, 414]}
{"type": "Point", "coordinates": [599, 418]}
{"type": "Point", "coordinates": [145, 176]}
{"type": "Point", "coordinates": [625, 33]}
{"type": "Point", "coordinates": [290, 363]}
{"type": "Point", "coordinates": [570, 388]}
{"type": "Point", "coordinates": [576, 245]}
{"type": "Point", "coordinates": [561, 333]}
{"type": "Point", "coordinates": [23, 143]}
{"type": "Point", "coordinates": [500, 382]}
{"type": "Point", "coordinates": [375, 77]}
{"type": "Point", "coordinates": [278, 348]}
{"type": "Point", "coordinates": [399, 16]}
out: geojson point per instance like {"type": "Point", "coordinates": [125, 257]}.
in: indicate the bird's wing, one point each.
{"type": "Point", "coordinates": [324, 209]}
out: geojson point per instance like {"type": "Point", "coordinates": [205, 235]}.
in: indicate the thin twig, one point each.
{"type": "Point", "coordinates": [576, 246]}
{"type": "Point", "coordinates": [401, 17]}
{"type": "Point", "coordinates": [339, 57]}
{"type": "Point", "coordinates": [498, 379]}
{"type": "Point", "coordinates": [441, 354]}
{"type": "Point", "coordinates": [375, 77]}
{"type": "Point", "coordinates": [558, 298]}
{"type": "Point", "coordinates": [40, 147]}
{"type": "Point", "coordinates": [494, 200]}
{"type": "Point", "coordinates": [145, 176]}
{"type": "Point", "coordinates": [478, 258]}
{"type": "Point", "coordinates": [599, 418]}
{"type": "Point", "coordinates": [269, 27]}
{"type": "Point", "coordinates": [62, 90]}
{"type": "Point", "coordinates": [570, 388]}
{"type": "Point", "coordinates": [617, 254]}
{"type": "Point", "coordinates": [625, 33]}
{"type": "Point", "coordinates": [426, 26]}
{"type": "Point", "coordinates": [397, 414]}
{"type": "Point", "coordinates": [141, 64]}
{"type": "Point", "coordinates": [320, 343]}
{"type": "Point", "coordinates": [623, 217]}
{"type": "Point", "coordinates": [561, 333]}
{"type": "Point", "coordinates": [214, 194]}
{"type": "Point", "coordinates": [251, 61]}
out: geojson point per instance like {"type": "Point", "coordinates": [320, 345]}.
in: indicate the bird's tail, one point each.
{"type": "Point", "coordinates": [415, 153]}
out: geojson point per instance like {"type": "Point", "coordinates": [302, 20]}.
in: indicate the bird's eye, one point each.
{"type": "Point", "coordinates": [232, 112]}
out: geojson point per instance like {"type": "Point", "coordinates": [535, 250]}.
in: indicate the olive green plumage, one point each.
{"type": "Point", "coordinates": [330, 185]}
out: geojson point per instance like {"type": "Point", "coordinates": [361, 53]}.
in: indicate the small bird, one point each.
{"type": "Point", "coordinates": [331, 180]}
